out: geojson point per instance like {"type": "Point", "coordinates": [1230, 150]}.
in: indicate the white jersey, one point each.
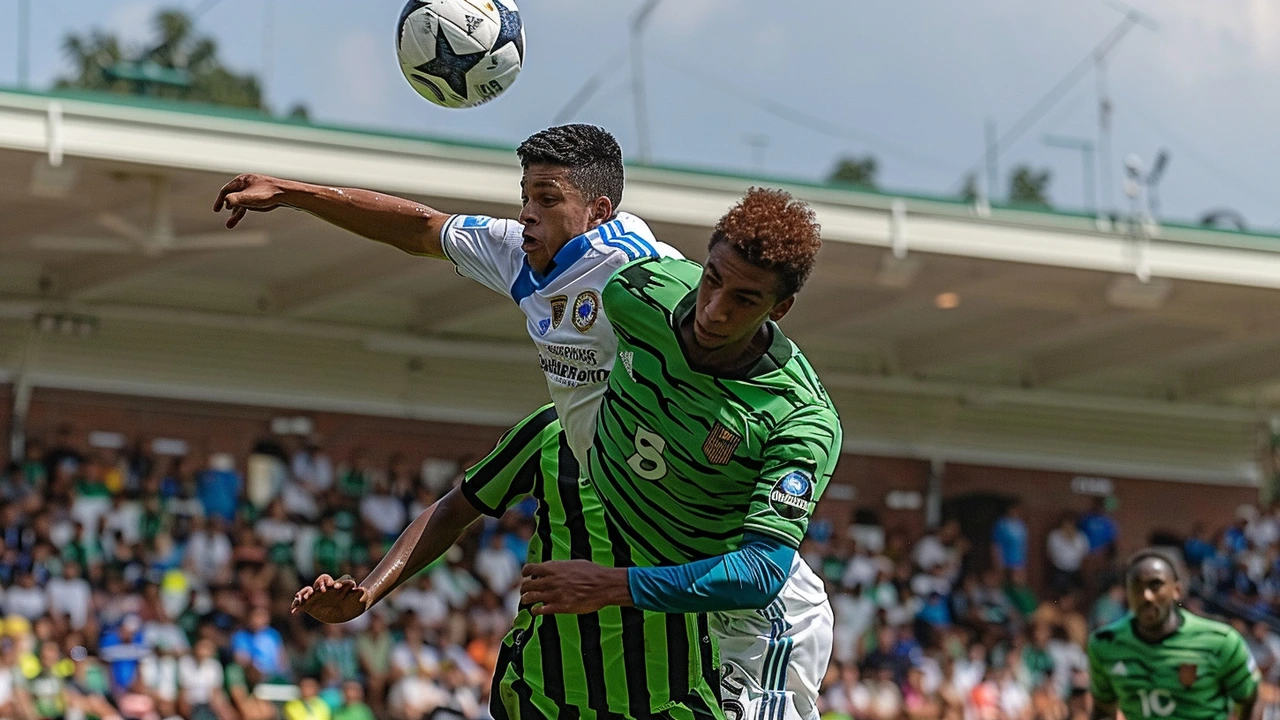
{"type": "Point", "coordinates": [576, 344]}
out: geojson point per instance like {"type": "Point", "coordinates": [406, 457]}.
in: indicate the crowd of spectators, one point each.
{"type": "Point", "coordinates": [141, 588]}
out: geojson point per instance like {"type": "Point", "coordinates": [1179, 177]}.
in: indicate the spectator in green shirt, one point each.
{"type": "Point", "coordinates": [353, 707]}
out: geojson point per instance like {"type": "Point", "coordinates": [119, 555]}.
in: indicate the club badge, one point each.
{"type": "Point", "coordinates": [585, 310]}
{"type": "Point", "coordinates": [559, 304]}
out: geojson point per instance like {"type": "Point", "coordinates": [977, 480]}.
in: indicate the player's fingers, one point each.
{"type": "Point", "coordinates": [236, 216]}
{"type": "Point", "coordinates": [534, 570]}
{"type": "Point", "coordinates": [535, 584]}
{"type": "Point", "coordinates": [221, 202]}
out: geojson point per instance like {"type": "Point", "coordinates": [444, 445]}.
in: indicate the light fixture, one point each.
{"type": "Point", "coordinates": [947, 301]}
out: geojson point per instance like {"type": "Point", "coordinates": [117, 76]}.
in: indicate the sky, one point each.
{"type": "Point", "coordinates": [782, 90]}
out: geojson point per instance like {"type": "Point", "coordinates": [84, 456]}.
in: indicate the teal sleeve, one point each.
{"type": "Point", "coordinates": [748, 578]}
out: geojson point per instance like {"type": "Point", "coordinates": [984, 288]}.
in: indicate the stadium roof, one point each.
{"type": "Point", "coordinates": [1055, 355]}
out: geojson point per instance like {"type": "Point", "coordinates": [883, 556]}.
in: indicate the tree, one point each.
{"type": "Point", "coordinates": [1029, 187]}
{"type": "Point", "coordinates": [181, 65]}
{"type": "Point", "coordinates": [860, 171]}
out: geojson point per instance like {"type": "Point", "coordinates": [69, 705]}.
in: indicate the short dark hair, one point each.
{"type": "Point", "coordinates": [1155, 553]}
{"type": "Point", "coordinates": [590, 153]}
{"type": "Point", "coordinates": [775, 231]}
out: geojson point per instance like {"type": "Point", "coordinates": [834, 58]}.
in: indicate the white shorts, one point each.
{"type": "Point", "coordinates": [773, 660]}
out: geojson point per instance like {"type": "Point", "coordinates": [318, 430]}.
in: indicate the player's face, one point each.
{"type": "Point", "coordinates": [554, 212]}
{"type": "Point", "coordinates": [1154, 592]}
{"type": "Point", "coordinates": [734, 299]}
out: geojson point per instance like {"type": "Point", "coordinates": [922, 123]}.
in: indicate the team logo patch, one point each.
{"type": "Point", "coordinates": [720, 445]}
{"type": "Point", "coordinates": [792, 494]}
{"type": "Point", "coordinates": [585, 310]}
{"type": "Point", "coordinates": [559, 304]}
{"type": "Point", "coordinates": [1187, 674]}
{"type": "Point", "coordinates": [544, 325]}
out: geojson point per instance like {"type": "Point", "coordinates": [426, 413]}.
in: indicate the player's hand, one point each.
{"type": "Point", "coordinates": [332, 601]}
{"type": "Point", "coordinates": [259, 193]}
{"type": "Point", "coordinates": [573, 587]}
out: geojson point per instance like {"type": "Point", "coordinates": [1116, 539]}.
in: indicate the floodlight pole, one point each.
{"type": "Point", "coordinates": [637, 77]}
{"type": "Point", "coordinates": [24, 43]}
{"type": "Point", "coordinates": [1132, 17]}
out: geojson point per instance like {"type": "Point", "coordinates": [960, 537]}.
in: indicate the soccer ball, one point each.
{"type": "Point", "coordinates": [460, 53]}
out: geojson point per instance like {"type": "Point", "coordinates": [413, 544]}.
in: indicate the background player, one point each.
{"type": "Point", "coordinates": [1161, 661]}
{"type": "Point", "coordinates": [715, 441]}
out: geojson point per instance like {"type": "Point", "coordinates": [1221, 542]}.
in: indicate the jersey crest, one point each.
{"type": "Point", "coordinates": [586, 308]}
{"type": "Point", "coordinates": [558, 305]}
{"type": "Point", "coordinates": [720, 444]}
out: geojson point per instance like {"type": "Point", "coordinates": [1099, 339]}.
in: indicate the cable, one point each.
{"type": "Point", "coordinates": [1186, 148]}
{"type": "Point", "coordinates": [1055, 94]}
{"type": "Point", "coordinates": [802, 118]}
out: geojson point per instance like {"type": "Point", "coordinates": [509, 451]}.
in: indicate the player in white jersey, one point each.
{"type": "Point", "coordinates": [553, 261]}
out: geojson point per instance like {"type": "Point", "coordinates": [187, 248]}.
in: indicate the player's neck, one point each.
{"type": "Point", "coordinates": [730, 360]}
{"type": "Point", "coordinates": [1168, 628]}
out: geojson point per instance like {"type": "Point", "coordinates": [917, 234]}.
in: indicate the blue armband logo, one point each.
{"type": "Point", "coordinates": [792, 494]}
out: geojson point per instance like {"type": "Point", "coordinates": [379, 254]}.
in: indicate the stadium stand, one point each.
{"type": "Point", "coordinates": [143, 589]}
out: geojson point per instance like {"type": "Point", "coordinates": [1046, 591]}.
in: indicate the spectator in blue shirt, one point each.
{"type": "Point", "coordinates": [219, 488]}
{"type": "Point", "coordinates": [1100, 528]}
{"type": "Point", "coordinates": [1197, 548]}
{"type": "Point", "coordinates": [122, 650]}
{"type": "Point", "coordinates": [261, 647]}
{"type": "Point", "coordinates": [1009, 539]}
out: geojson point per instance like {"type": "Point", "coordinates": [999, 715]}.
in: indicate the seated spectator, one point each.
{"type": "Point", "coordinates": [497, 565]}
{"type": "Point", "coordinates": [1009, 540]}
{"type": "Point", "coordinates": [261, 648]}
{"type": "Point", "coordinates": [200, 677]}
{"type": "Point", "coordinates": [1067, 548]}
{"type": "Point", "coordinates": [309, 706]}
{"type": "Point", "coordinates": [353, 705]}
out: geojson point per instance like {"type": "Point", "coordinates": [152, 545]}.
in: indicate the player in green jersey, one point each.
{"type": "Point", "coordinates": [1160, 661]}
{"type": "Point", "coordinates": [713, 444]}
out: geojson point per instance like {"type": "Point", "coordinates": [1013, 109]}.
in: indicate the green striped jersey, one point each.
{"type": "Point", "coordinates": [684, 462]}
{"type": "Point", "coordinates": [1193, 674]}
{"type": "Point", "coordinates": [618, 661]}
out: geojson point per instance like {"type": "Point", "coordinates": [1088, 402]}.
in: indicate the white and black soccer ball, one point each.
{"type": "Point", "coordinates": [460, 53]}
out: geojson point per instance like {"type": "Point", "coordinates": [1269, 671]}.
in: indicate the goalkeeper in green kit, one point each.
{"type": "Point", "coordinates": [1160, 661]}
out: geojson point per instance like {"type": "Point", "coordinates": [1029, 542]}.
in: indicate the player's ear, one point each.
{"type": "Point", "coordinates": [601, 210]}
{"type": "Point", "coordinates": [781, 309]}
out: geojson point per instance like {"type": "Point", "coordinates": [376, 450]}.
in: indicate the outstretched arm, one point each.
{"type": "Point", "coordinates": [748, 578]}
{"type": "Point", "coordinates": [427, 538]}
{"type": "Point", "coordinates": [400, 223]}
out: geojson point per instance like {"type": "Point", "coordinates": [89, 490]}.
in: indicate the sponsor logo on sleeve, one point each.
{"type": "Point", "coordinates": [791, 495]}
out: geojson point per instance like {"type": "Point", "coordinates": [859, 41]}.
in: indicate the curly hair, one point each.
{"type": "Point", "coordinates": [590, 153]}
{"type": "Point", "coordinates": [774, 231]}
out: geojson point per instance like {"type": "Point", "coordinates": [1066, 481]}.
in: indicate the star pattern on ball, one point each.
{"type": "Point", "coordinates": [449, 66]}
{"type": "Point", "coordinates": [510, 32]}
